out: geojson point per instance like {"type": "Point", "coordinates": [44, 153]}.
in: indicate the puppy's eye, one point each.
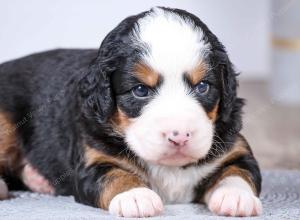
{"type": "Point", "coordinates": [140, 91]}
{"type": "Point", "coordinates": [202, 88]}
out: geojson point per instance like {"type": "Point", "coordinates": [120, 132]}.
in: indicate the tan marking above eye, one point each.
{"type": "Point", "coordinates": [197, 74]}
{"type": "Point", "coordinates": [146, 74]}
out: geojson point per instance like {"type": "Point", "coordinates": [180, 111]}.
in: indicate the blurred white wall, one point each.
{"type": "Point", "coordinates": [35, 25]}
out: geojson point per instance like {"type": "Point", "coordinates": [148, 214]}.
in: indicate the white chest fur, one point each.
{"type": "Point", "coordinates": [176, 185]}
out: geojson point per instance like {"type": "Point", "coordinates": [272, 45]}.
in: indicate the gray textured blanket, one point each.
{"type": "Point", "coordinates": [280, 197]}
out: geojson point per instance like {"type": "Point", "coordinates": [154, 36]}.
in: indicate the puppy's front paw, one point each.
{"type": "Point", "coordinates": [232, 201]}
{"type": "Point", "coordinates": [137, 202]}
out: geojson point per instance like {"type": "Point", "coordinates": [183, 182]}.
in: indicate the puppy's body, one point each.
{"type": "Point", "coordinates": [38, 111]}
{"type": "Point", "coordinates": [155, 108]}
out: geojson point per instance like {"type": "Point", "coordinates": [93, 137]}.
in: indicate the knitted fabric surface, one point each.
{"type": "Point", "coordinates": [280, 197]}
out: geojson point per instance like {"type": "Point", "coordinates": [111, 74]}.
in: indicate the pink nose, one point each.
{"type": "Point", "coordinates": [178, 139]}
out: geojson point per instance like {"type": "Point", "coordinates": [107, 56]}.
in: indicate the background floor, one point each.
{"type": "Point", "coordinates": [280, 197]}
{"type": "Point", "coordinates": [273, 131]}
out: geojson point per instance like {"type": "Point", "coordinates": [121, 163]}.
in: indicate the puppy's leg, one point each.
{"type": "Point", "coordinates": [115, 185]}
{"type": "Point", "coordinates": [236, 186]}
{"type": "Point", "coordinates": [233, 196]}
{"type": "Point", "coordinates": [35, 181]}
{"type": "Point", "coordinates": [133, 200]}
{"type": "Point", "coordinates": [3, 190]}
{"type": "Point", "coordinates": [10, 153]}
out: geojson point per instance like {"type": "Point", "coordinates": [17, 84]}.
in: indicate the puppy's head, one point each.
{"type": "Point", "coordinates": [163, 81]}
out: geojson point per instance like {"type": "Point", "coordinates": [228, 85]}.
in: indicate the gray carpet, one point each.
{"type": "Point", "coordinates": [280, 197]}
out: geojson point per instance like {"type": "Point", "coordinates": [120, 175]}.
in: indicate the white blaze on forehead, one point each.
{"type": "Point", "coordinates": [170, 46]}
{"type": "Point", "coordinates": [175, 44]}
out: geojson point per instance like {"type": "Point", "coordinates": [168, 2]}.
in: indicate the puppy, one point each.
{"type": "Point", "coordinates": [151, 118]}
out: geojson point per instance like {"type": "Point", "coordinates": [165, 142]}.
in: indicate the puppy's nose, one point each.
{"type": "Point", "coordinates": [178, 139]}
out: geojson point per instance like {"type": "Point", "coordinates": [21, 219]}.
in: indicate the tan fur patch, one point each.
{"type": "Point", "coordinates": [10, 152]}
{"type": "Point", "coordinates": [146, 74]}
{"type": "Point", "coordinates": [213, 114]}
{"type": "Point", "coordinates": [123, 178]}
{"type": "Point", "coordinates": [94, 156]}
{"type": "Point", "coordinates": [120, 121]}
{"type": "Point", "coordinates": [197, 73]}
{"type": "Point", "coordinates": [239, 149]}
{"type": "Point", "coordinates": [236, 171]}
{"type": "Point", "coordinates": [117, 181]}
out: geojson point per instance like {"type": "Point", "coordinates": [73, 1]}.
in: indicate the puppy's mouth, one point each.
{"type": "Point", "coordinates": [176, 159]}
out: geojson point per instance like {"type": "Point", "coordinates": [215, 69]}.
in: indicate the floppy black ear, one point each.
{"type": "Point", "coordinates": [96, 91]}
{"type": "Point", "coordinates": [229, 87]}
{"type": "Point", "coordinates": [96, 87]}
{"type": "Point", "coordinates": [230, 104]}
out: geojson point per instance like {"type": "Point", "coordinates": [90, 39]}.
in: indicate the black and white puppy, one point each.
{"type": "Point", "coordinates": [152, 118]}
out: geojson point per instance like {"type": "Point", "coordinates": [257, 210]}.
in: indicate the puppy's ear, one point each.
{"type": "Point", "coordinates": [96, 89]}
{"type": "Point", "coordinates": [230, 105]}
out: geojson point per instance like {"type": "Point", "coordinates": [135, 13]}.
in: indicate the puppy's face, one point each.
{"type": "Point", "coordinates": [167, 92]}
